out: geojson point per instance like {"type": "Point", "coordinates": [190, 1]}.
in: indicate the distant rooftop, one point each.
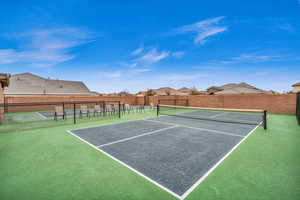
{"type": "Point", "coordinates": [235, 88]}
{"type": "Point", "coordinates": [296, 84]}
{"type": "Point", "coordinates": [27, 83]}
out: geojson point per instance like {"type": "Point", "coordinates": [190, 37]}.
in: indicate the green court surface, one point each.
{"type": "Point", "coordinates": [49, 163]}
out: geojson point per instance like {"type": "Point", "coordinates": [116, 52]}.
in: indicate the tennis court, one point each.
{"type": "Point", "coordinates": [176, 150]}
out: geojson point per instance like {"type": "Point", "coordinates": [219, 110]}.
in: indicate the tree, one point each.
{"type": "Point", "coordinates": [150, 93]}
{"type": "Point", "coordinates": [124, 93]}
{"type": "Point", "coordinates": [213, 89]}
{"type": "Point", "coordinates": [194, 91]}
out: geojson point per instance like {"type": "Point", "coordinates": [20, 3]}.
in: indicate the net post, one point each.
{"type": "Point", "coordinates": [265, 120]}
{"type": "Point", "coordinates": [119, 104]}
{"type": "Point", "coordinates": [157, 110]}
{"type": "Point", "coordinates": [63, 110]}
{"type": "Point", "coordinates": [74, 112]}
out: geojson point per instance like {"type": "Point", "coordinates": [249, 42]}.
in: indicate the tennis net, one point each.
{"type": "Point", "coordinates": [236, 116]}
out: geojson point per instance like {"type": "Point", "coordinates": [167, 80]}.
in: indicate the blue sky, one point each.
{"type": "Point", "coordinates": [136, 45]}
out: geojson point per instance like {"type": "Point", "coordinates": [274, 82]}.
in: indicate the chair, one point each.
{"type": "Point", "coordinates": [127, 108]}
{"type": "Point", "coordinates": [84, 111]}
{"type": "Point", "coordinates": [59, 112]}
{"type": "Point", "coordinates": [152, 106]}
{"type": "Point", "coordinates": [109, 109]}
{"type": "Point", "coordinates": [97, 110]}
{"type": "Point", "coordinates": [141, 108]}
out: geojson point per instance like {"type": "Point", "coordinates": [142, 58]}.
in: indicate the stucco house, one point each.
{"type": "Point", "coordinates": [296, 87]}
{"type": "Point", "coordinates": [31, 84]}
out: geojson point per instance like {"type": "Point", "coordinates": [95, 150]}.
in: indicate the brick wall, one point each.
{"type": "Point", "coordinates": [284, 103]}
{"type": "Point", "coordinates": [54, 98]}
{"type": "Point", "coordinates": [280, 104]}
{"type": "Point", "coordinates": [140, 100]}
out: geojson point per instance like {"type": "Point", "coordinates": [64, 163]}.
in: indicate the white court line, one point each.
{"type": "Point", "coordinates": [124, 164]}
{"type": "Point", "coordinates": [216, 165]}
{"type": "Point", "coordinates": [202, 129]}
{"type": "Point", "coordinates": [113, 123]}
{"type": "Point", "coordinates": [216, 115]}
{"type": "Point", "coordinates": [243, 122]}
{"type": "Point", "coordinates": [137, 136]}
{"type": "Point", "coordinates": [44, 117]}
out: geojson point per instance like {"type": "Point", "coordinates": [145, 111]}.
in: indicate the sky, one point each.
{"type": "Point", "coordinates": [136, 45]}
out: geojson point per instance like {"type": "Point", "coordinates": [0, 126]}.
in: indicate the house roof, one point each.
{"type": "Point", "coordinates": [240, 88]}
{"type": "Point", "coordinates": [4, 79]}
{"type": "Point", "coordinates": [27, 83]}
{"type": "Point", "coordinates": [296, 84]}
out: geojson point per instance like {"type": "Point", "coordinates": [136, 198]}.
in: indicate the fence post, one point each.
{"type": "Point", "coordinates": [104, 109]}
{"type": "Point", "coordinates": [265, 120]}
{"type": "Point", "coordinates": [119, 109]}
{"type": "Point", "coordinates": [74, 112]}
{"type": "Point", "coordinates": [63, 110]}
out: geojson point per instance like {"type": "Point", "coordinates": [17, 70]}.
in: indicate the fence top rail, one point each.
{"type": "Point", "coordinates": [55, 103]}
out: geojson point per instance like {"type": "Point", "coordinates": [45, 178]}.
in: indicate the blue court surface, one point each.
{"type": "Point", "coordinates": [172, 152]}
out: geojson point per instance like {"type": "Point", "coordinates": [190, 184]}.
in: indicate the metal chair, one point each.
{"type": "Point", "coordinates": [84, 111]}
{"type": "Point", "coordinates": [59, 112]}
{"type": "Point", "coordinates": [97, 110]}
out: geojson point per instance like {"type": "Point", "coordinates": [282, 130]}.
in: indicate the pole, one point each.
{"type": "Point", "coordinates": [265, 120]}
{"type": "Point", "coordinates": [104, 109]}
{"type": "Point", "coordinates": [119, 109]}
{"type": "Point", "coordinates": [74, 112]}
{"type": "Point", "coordinates": [64, 110]}
{"type": "Point", "coordinates": [157, 110]}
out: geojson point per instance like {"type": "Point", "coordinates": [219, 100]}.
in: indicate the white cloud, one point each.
{"type": "Point", "coordinates": [138, 50]}
{"type": "Point", "coordinates": [142, 70]}
{"type": "Point", "coordinates": [129, 65]}
{"type": "Point", "coordinates": [245, 58]}
{"type": "Point", "coordinates": [199, 25]}
{"type": "Point", "coordinates": [8, 56]}
{"type": "Point", "coordinates": [153, 56]}
{"type": "Point", "coordinates": [110, 75]}
{"type": "Point", "coordinates": [45, 48]}
{"type": "Point", "coordinates": [133, 81]}
{"type": "Point", "coordinates": [203, 29]}
{"type": "Point", "coordinates": [286, 27]}
{"type": "Point", "coordinates": [251, 58]}
{"type": "Point", "coordinates": [200, 38]}
{"type": "Point", "coordinates": [178, 54]}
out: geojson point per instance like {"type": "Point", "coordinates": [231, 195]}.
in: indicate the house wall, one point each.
{"type": "Point", "coordinates": [296, 89]}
